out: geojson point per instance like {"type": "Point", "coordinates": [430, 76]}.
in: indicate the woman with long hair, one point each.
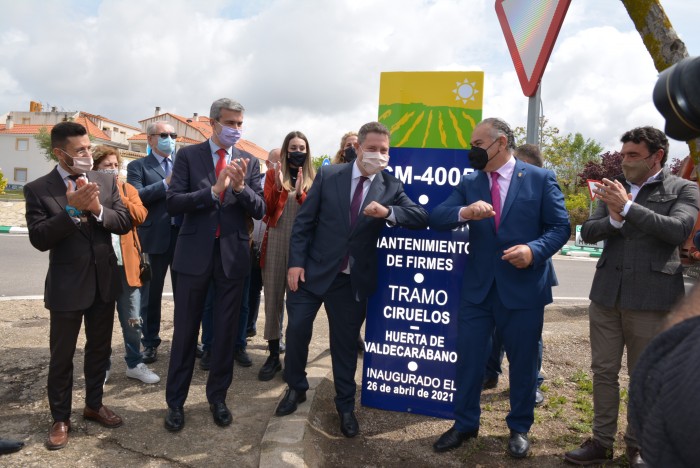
{"type": "Point", "coordinates": [286, 185]}
{"type": "Point", "coordinates": [346, 153]}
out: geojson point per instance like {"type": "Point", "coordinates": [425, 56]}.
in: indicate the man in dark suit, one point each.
{"type": "Point", "coordinates": [215, 186]}
{"type": "Point", "coordinates": [643, 217]}
{"type": "Point", "coordinates": [158, 234]}
{"type": "Point", "coordinates": [72, 212]}
{"type": "Point", "coordinates": [517, 221]}
{"type": "Point", "coordinates": [333, 261]}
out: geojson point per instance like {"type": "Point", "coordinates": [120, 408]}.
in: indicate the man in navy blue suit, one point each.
{"type": "Point", "coordinates": [216, 187]}
{"type": "Point", "coordinates": [158, 234]}
{"type": "Point", "coordinates": [517, 221]}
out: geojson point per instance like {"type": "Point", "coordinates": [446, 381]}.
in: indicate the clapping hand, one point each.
{"type": "Point", "coordinates": [85, 196]}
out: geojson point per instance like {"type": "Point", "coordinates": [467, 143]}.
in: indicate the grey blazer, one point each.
{"type": "Point", "coordinates": [640, 262]}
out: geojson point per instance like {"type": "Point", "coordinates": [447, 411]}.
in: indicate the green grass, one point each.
{"type": "Point", "coordinates": [583, 381]}
{"type": "Point", "coordinates": [558, 382]}
{"type": "Point", "coordinates": [12, 195]}
{"type": "Point", "coordinates": [624, 396]}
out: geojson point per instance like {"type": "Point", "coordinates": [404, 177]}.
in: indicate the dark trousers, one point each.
{"type": "Point", "coordinates": [63, 336]}
{"type": "Point", "coordinates": [256, 285]}
{"type": "Point", "coordinates": [241, 342]}
{"type": "Point", "coordinates": [520, 330]}
{"type": "Point", "coordinates": [345, 318]}
{"type": "Point", "coordinates": [152, 292]}
{"type": "Point", "coordinates": [493, 365]}
{"type": "Point", "coordinates": [189, 297]}
{"type": "Point", "coordinates": [208, 318]}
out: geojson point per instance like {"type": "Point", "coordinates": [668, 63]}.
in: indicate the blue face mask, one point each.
{"type": "Point", "coordinates": [166, 145]}
{"type": "Point", "coordinates": [228, 136]}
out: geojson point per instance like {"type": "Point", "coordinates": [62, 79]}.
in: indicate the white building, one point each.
{"type": "Point", "coordinates": [21, 158]}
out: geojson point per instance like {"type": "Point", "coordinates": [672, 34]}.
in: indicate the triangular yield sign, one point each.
{"type": "Point", "coordinates": [531, 28]}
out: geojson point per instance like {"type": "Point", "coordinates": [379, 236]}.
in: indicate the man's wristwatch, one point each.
{"type": "Point", "coordinates": [73, 212]}
{"type": "Point", "coordinates": [390, 211]}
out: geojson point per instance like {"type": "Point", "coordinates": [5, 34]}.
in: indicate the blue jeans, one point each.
{"type": "Point", "coordinates": [128, 308]}
{"type": "Point", "coordinates": [493, 365]}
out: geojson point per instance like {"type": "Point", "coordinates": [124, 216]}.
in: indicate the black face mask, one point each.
{"type": "Point", "coordinates": [296, 158]}
{"type": "Point", "coordinates": [349, 154]}
{"type": "Point", "coordinates": [479, 157]}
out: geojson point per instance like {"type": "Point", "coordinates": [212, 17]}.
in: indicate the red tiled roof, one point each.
{"type": "Point", "coordinates": [92, 129]}
{"type": "Point", "coordinates": [83, 113]}
{"type": "Point", "coordinates": [180, 139]}
{"type": "Point", "coordinates": [22, 129]}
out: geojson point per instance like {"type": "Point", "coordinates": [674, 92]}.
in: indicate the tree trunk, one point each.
{"type": "Point", "coordinates": [662, 42]}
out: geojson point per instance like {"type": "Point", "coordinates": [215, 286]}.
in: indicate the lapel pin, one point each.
{"type": "Point", "coordinates": [520, 174]}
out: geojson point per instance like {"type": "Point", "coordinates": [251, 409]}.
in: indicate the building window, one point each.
{"type": "Point", "coordinates": [20, 174]}
{"type": "Point", "coordinates": [26, 121]}
{"type": "Point", "coordinates": [22, 144]}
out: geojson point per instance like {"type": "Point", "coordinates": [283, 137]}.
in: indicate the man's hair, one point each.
{"type": "Point", "coordinates": [150, 130]}
{"type": "Point", "coordinates": [499, 128]}
{"type": "Point", "coordinates": [653, 138]}
{"type": "Point", "coordinates": [372, 127]}
{"type": "Point", "coordinates": [224, 103]}
{"type": "Point", "coordinates": [101, 152]}
{"type": "Point", "coordinates": [530, 154]}
{"type": "Point", "coordinates": [64, 130]}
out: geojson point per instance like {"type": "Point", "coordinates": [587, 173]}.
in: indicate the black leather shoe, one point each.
{"type": "Point", "coordinates": [539, 397]}
{"type": "Point", "coordinates": [270, 368]}
{"type": "Point", "coordinates": [453, 439]}
{"type": "Point", "coordinates": [222, 416]}
{"type": "Point", "coordinates": [518, 445]}
{"type": "Point", "coordinates": [289, 403]}
{"type": "Point", "coordinates": [150, 354]}
{"type": "Point", "coordinates": [205, 362]}
{"type": "Point", "coordinates": [488, 384]}
{"type": "Point", "coordinates": [198, 351]}
{"type": "Point", "coordinates": [10, 446]}
{"type": "Point", "coordinates": [242, 358]}
{"type": "Point", "coordinates": [175, 419]}
{"type": "Point", "coordinates": [348, 424]}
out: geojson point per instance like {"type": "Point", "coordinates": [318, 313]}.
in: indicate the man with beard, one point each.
{"type": "Point", "coordinates": [643, 218]}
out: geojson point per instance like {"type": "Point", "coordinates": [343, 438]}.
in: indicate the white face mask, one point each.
{"type": "Point", "coordinates": [80, 165]}
{"type": "Point", "coordinates": [374, 162]}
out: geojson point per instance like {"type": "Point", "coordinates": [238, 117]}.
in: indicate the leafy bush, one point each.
{"type": "Point", "coordinates": [578, 206]}
{"type": "Point", "coordinates": [3, 182]}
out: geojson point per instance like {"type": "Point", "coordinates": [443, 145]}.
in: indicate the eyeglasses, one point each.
{"type": "Point", "coordinates": [166, 135]}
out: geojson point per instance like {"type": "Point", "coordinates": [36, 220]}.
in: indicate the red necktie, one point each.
{"type": "Point", "coordinates": [496, 198]}
{"type": "Point", "coordinates": [354, 213]}
{"type": "Point", "coordinates": [220, 164]}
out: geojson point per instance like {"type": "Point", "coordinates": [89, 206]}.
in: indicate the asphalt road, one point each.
{"type": "Point", "coordinates": [24, 269]}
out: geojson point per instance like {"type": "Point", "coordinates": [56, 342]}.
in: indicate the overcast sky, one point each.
{"type": "Point", "coordinates": [314, 65]}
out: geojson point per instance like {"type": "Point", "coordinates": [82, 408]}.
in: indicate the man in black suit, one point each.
{"type": "Point", "coordinates": [333, 261]}
{"type": "Point", "coordinates": [215, 186]}
{"type": "Point", "coordinates": [72, 212]}
{"type": "Point", "coordinates": [151, 177]}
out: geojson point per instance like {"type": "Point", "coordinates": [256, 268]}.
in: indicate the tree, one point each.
{"type": "Point", "coordinates": [609, 167]}
{"type": "Point", "coordinates": [43, 139]}
{"type": "Point", "coordinates": [3, 182]}
{"type": "Point", "coordinates": [662, 42]}
{"type": "Point", "coordinates": [546, 133]}
{"type": "Point", "coordinates": [567, 156]}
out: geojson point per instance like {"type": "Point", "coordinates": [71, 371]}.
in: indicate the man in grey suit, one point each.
{"type": "Point", "coordinates": [643, 218]}
{"type": "Point", "coordinates": [333, 261]}
{"type": "Point", "coordinates": [216, 187]}
{"type": "Point", "coordinates": [151, 177]}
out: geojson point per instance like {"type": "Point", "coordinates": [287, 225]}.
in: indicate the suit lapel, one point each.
{"type": "Point", "coordinates": [519, 173]}
{"type": "Point", "coordinates": [208, 162]}
{"type": "Point", "coordinates": [482, 182]}
{"type": "Point", "coordinates": [152, 162]}
{"type": "Point", "coordinates": [343, 185]}
{"type": "Point", "coordinates": [57, 188]}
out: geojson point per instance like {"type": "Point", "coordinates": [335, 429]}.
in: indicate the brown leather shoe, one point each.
{"type": "Point", "coordinates": [104, 416]}
{"type": "Point", "coordinates": [58, 435]}
{"type": "Point", "coordinates": [634, 457]}
{"type": "Point", "coordinates": [591, 452]}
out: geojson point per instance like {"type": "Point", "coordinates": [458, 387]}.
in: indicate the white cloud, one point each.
{"type": "Point", "coordinates": [313, 65]}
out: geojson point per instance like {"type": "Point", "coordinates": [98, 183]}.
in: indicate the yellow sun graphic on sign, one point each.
{"type": "Point", "coordinates": [465, 91]}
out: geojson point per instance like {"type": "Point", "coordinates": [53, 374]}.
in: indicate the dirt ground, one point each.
{"type": "Point", "coordinates": [391, 439]}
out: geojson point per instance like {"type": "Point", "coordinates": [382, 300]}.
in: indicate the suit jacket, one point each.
{"type": "Point", "coordinates": [640, 262]}
{"type": "Point", "coordinates": [190, 195]}
{"type": "Point", "coordinates": [130, 241]}
{"type": "Point", "coordinates": [147, 176]}
{"type": "Point", "coordinates": [81, 258]}
{"type": "Point", "coordinates": [533, 214]}
{"type": "Point", "coordinates": [321, 235]}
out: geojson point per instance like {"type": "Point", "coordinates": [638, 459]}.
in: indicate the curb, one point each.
{"type": "Point", "coordinates": [13, 230]}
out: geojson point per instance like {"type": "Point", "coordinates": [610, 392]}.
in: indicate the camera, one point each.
{"type": "Point", "coordinates": [677, 97]}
